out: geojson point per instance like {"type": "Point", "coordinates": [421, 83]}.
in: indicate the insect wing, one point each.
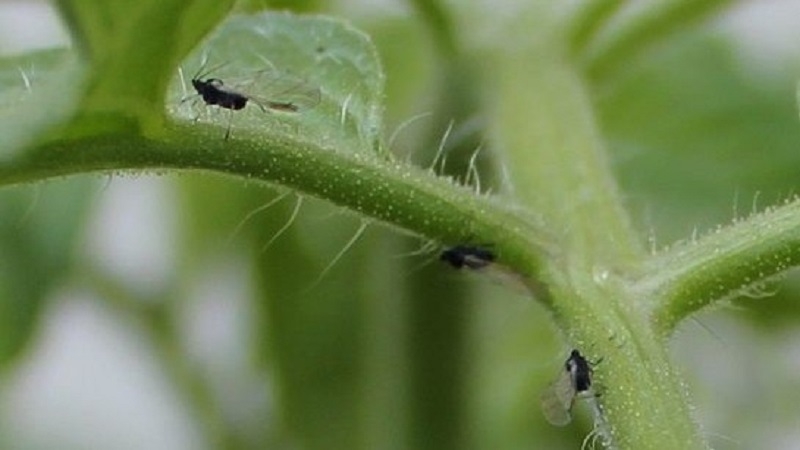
{"type": "Point", "coordinates": [506, 277]}
{"type": "Point", "coordinates": [282, 92]}
{"type": "Point", "coordinates": [476, 262]}
{"type": "Point", "coordinates": [557, 400]}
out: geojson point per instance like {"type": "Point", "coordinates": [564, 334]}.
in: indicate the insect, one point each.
{"type": "Point", "coordinates": [472, 257]}
{"type": "Point", "coordinates": [575, 379]}
{"type": "Point", "coordinates": [214, 92]}
{"type": "Point", "coordinates": [290, 95]}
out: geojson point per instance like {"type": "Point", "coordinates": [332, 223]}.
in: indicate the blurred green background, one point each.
{"type": "Point", "coordinates": [149, 312]}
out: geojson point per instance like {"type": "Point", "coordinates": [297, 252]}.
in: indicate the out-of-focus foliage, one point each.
{"type": "Point", "coordinates": [39, 229]}
{"type": "Point", "coordinates": [701, 140]}
{"type": "Point", "coordinates": [692, 118]}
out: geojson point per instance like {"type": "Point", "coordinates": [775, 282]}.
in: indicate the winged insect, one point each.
{"type": "Point", "coordinates": [558, 398]}
{"type": "Point", "coordinates": [281, 93]}
{"type": "Point", "coordinates": [471, 257]}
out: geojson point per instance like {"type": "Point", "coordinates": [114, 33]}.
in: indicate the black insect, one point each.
{"type": "Point", "coordinates": [575, 379]}
{"type": "Point", "coordinates": [471, 257]}
{"type": "Point", "coordinates": [214, 92]}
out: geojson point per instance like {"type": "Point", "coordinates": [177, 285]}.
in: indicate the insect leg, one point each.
{"type": "Point", "coordinates": [230, 122]}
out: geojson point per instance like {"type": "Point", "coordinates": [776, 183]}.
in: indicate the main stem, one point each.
{"type": "Point", "coordinates": [556, 157]}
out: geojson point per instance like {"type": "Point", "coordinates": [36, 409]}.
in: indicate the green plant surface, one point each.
{"type": "Point", "coordinates": [532, 117]}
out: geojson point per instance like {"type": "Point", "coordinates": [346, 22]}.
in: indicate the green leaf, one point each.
{"type": "Point", "coordinates": [269, 56]}
{"type": "Point", "coordinates": [37, 92]}
{"type": "Point", "coordinates": [280, 5]}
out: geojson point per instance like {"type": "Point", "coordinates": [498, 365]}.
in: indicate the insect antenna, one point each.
{"type": "Point", "coordinates": [202, 74]}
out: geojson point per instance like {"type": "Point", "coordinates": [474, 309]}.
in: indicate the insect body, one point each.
{"type": "Point", "coordinates": [214, 92]}
{"type": "Point", "coordinates": [471, 257]}
{"type": "Point", "coordinates": [558, 398]}
{"type": "Point", "coordinates": [580, 372]}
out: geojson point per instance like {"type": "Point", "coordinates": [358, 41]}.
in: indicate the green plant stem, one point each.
{"type": "Point", "coordinates": [555, 155]}
{"type": "Point", "coordinates": [311, 341]}
{"type": "Point", "coordinates": [438, 310]}
{"type": "Point", "coordinates": [557, 161]}
{"type": "Point", "coordinates": [103, 32]}
{"type": "Point", "coordinates": [693, 275]}
{"type": "Point", "coordinates": [393, 192]}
